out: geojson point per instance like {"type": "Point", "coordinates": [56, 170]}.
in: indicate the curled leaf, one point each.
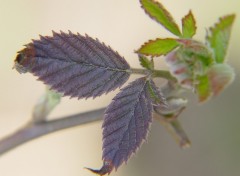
{"type": "Point", "coordinates": [157, 12]}
{"type": "Point", "coordinates": [189, 61]}
{"type": "Point", "coordinates": [220, 76]}
{"type": "Point", "coordinates": [75, 65]}
{"type": "Point", "coordinates": [126, 123]}
{"type": "Point", "coordinates": [215, 81]}
{"type": "Point", "coordinates": [219, 37]}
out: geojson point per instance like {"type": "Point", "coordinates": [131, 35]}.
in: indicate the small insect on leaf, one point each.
{"type": "Point", "coordinates": [126, 123]}
{"type": "Point", "coordinates": [157, 12]}
{"type": "Point", "coordinates": [219, 37]}
{"type": "Point", "coordinates": [75, 65]}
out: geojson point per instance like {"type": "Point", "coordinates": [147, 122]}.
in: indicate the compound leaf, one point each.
{"type": "Point", "coordinates": [126, 124]}
{"type": "Point", "coordinates": [157, 12]}
{"type": "Point", "coordinates": [188, 26]}
{"type": "Point", "coordinates": [158, 47]}
{"type": "Point", "coordinates": [75, 65]}
{"type": "Point", "coordinates": [219, 37]}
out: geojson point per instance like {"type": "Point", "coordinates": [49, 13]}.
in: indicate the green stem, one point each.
{"type": "Point", "coordinates": [155, 73]}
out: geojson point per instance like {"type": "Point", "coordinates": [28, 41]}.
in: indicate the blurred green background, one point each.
{"type": "Point", "coordinates": [213, 127]}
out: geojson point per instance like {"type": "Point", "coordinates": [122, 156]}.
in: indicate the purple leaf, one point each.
{"type": "Point", "coordinates": [75, 65]}
{"type": "Point", "coordinates": [126, 123]}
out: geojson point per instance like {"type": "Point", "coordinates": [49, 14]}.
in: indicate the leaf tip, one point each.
{"type": "Point", "coordinates": [106, 169]}
{"type": "Point", "coordinates": [22, 61]}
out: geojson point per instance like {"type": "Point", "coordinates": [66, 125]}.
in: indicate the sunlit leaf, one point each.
{"type": "Point", "coordinates": [188, 26]}
{"type": "Point", "coordinates": [126, 124]}
{"type": "Point", "coordinates": [158, 47]}
{"type": "Point", "coordinates": [75, 65]}
{"type": "Point", "coordinates": [157, 12]}
{"type": "Point", "coordinates": [146, 63]}
{"type": "Point", "coordinates": [219, 37]}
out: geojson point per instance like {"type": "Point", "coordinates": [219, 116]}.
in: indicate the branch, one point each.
{"type": "Point", "coordinates": [32, 131]}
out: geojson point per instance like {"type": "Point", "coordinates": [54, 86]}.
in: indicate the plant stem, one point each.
{"type": "Point", "coordinates": [32, 131]}
{"type": "Point", "coordinates": [174, 127]}
{"type": "Point", "coordinates": [155, 73]}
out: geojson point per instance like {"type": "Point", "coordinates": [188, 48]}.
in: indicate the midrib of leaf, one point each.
{"type": "Point", "coordinates": [83, 63]}
{"type": "Point", "coordinates": [133, 111]}
{"type": "Point", "coordinates": [166, 20]}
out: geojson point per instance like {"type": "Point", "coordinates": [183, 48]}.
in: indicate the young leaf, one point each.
{"type": "Point", "coordinates": [146, 63]}
{"type": "Point", "coordinates": [75, 65]}
{"type": "Point", "coordinates": [126, 124]}
{"type": "Point", "coordinates": [215, 81]}
{"type": "Point", "coordinates": [220, 76]}
{"type": "Point", "coordinates": [203, 88]}
{"type": "Point", "coordinates": [188, 26]}
{"type": "Point", "coordinates": [219, 37]}
{"type": "Point", "coordinates": [157, 12]}
{"type": "Point", "coordinates": [158, 47]}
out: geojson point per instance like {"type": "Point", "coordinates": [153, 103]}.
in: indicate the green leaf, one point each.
{"type": "Point", "coordinates": [158, 47]}
{"type": "Point", "coordinates": [214, 82]}
{"type": "Point", "coordinates": [45, 105]}
{"type": "Point", "coordinates": [219, 37]}
{"type": "Point", "coordinates": [157, 12]}
{"type": "Point", "coordinates": [146, 63]}
{"type": "Point", "coordinates": [188, 26]}
{"type": "Point", "coordinates": [203, 88]}
{"type": "Point", "coordinates": [156, 95]}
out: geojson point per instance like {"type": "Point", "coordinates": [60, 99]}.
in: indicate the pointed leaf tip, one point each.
{"type": "Point", "coordinates": [158, 13]}
{"type": "Point", "coordinates": [127, 121]}
{"type": "Point", "coordinates": [188, 25]}
{"type": "Point", "coordinates": [76, 65]}
{"type": "Point", "coordinates": [219, 36]}
{"type": "Point", "coordinates": [106, 169]}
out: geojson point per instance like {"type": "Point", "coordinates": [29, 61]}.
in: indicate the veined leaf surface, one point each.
{"type": "Point", "coordinates": [75, 65]}
{"type": "Point", "coordinates": [126, 123]}
{"type": "Point", "coordinates": [157, 12]}
{"type": "Point", "coordinates": [219, 37]}
{"type": "Point", "coordinates": [188, 26]}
